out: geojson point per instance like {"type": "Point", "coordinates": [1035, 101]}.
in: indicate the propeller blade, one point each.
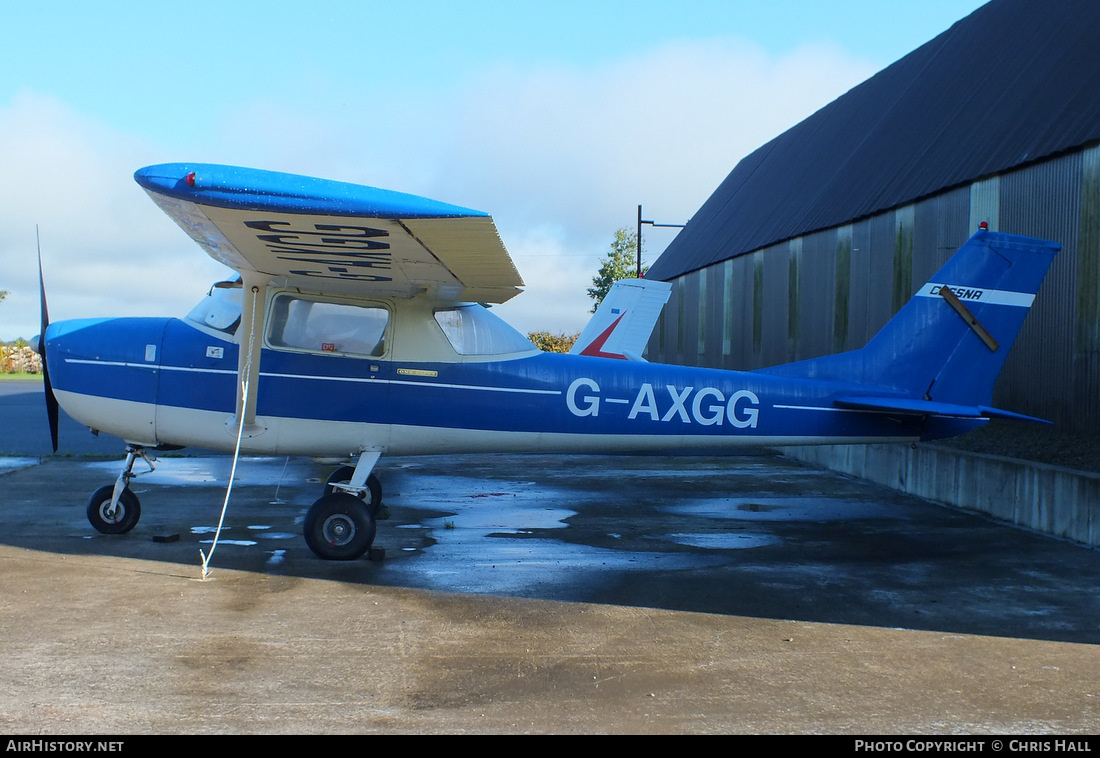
{"type": "Point", "coordinates": [51, 401]}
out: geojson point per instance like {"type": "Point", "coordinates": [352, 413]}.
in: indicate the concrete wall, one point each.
{"type": "Point", "coordinates": [1057, 501]}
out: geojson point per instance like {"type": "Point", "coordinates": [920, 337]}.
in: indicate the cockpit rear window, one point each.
{"type": "Point", "coordinates": [473, 330]}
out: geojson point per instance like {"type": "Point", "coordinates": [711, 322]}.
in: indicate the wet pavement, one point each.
{"type": "Point", "coordinates": [748, 594]}
{"type": "Point", "coordinates": [751, 535]}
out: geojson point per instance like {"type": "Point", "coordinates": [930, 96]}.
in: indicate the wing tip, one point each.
{"type": "Point", "coordinates": [259, 189]}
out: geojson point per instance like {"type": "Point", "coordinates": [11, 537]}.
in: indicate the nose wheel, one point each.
{"type": "Point", "coordinates": [117, 519]}
{"type": "Point", "coordinates": [109, 513]}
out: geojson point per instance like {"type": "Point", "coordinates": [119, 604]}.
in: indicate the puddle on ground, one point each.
{"type": "Point", "coordinates": [497, 540]}
{"type": "Point", "coordinates": [791, 508]}
{"type": "Point", "coordinates": [721, 541]}
{"type": "Point", "coordinates": [214, 471]}
{"type": "Point", "coordinates": [10, 464]}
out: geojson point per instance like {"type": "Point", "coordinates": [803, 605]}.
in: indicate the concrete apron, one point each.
{"type": "Point", "coordinates": [1058, 501]}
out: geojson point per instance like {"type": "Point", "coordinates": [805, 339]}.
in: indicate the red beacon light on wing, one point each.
{"type": "Point", "coordinates": [190, 179]}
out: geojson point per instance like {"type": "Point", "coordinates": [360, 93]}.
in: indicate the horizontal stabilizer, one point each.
{"type": "Point", "coordinates": [998, 413]}
{"type": "Point", "coordinates": [929, 408]}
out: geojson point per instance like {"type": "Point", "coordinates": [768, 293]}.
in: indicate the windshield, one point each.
{"type": "Point", "coordinates": [473, 330]}
{"type": "Point", "coordinates": [220, 309]}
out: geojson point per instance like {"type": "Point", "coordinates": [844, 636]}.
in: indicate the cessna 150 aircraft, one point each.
{"type": "Point", "coordinates": [355, 330]}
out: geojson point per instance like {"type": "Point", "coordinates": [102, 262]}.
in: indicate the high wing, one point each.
{"type": "Point", "coordinates": [334, 237]}
{"type": "Point", "coordinates": [329, 237]}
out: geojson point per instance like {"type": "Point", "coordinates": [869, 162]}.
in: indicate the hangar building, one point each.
{"type": "Point", "coordinates": [817, 238]}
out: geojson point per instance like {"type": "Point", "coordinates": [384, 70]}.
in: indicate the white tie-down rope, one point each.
{"type": "Point", "coordinates": [282, 476]}
{"type": "Point", "coordinates": [237, 450]}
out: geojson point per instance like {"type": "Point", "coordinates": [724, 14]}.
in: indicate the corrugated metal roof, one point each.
{"type": "Point", "coordinates": [1014, 82]}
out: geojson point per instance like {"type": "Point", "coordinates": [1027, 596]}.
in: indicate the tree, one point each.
{"type": "Point", "coordinates": [621, 263]}
{"type": "Point", "coordinates": [3, 294]}
{"type": "Point", "coordinates": [553, 343]}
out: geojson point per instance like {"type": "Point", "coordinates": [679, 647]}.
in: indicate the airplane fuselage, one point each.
{"type": "Point", "coordinates": [162, 381]}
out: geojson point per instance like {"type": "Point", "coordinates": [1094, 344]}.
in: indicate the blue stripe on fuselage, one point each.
{"type": "Point", "coordinates": [558, 394]}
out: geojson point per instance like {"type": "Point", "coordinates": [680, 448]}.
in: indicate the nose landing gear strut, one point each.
{"type": "Point", "coordinates": [114, 508]}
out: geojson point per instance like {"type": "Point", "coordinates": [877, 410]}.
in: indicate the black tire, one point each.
{"type": "Point", "coordinates": [339, 527]}
{"type": "Point", "coordinates": [343, 475]}
{"type": "Point", "coordinates": [126, 515]}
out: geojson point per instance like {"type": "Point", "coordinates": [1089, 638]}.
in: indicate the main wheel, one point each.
{"type": "Point", "coordinates": [343, 474]}
{"type": "Point", "coordinates": [339, 527]}
{"type": "Point", "coordinates": [126, 515]}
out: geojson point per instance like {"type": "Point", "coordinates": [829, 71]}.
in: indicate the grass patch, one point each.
{"type": "Point", "coordinates": [20, 377]}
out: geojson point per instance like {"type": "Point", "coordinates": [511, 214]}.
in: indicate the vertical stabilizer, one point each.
{"type": "Point", "coordinates": [949, 342]}
{"type": "Point", "coordinates": [621, 326]}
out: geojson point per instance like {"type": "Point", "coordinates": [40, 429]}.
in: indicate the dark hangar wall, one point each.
{"type": "Point", "coordinates": [780, 264]}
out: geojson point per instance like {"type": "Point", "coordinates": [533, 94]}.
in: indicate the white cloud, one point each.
{"type": "Point", "coordinates": [581, 149]}
{"type": "Point", "coordinates": [106, 249]}
{"type": "Point", "coordinates": [560, 156]}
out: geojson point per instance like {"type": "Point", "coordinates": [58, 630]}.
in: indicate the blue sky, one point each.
{"type": "Point", "coordinates": [558, 118]}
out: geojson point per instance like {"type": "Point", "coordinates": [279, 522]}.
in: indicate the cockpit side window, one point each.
{"type": "Point", "coordinates": [473, 330]}
{"type": "Point", "coordinates": [220, 309]}
{"type": "Point", "coordinates": [297, 323]}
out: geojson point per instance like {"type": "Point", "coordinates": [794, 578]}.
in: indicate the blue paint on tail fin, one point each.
{"type": "Point", "coordinates": [932, 358]}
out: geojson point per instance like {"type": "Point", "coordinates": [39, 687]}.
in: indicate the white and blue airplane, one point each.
{"type": "Point", "coordinates": [358, 329]}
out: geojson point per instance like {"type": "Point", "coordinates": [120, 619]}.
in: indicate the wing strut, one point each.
{"type": "Point", "coordinates": [248, 371]}
{"type": "Point", "coordinates": [253, 319]}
